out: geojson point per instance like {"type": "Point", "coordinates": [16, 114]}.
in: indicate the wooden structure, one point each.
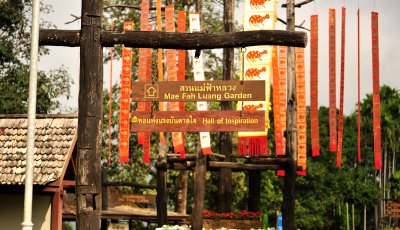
{"type": "Point", "coordinates": [91, 39]}
{"type": "Point", "coordinates": [54, 172]}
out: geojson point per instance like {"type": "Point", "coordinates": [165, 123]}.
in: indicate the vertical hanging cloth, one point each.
{"type": "Point", "coordinates": [144, 75]}
{"type": "Point", "coordinates": [181, 53]}
{"type": "Point", "coordinates": [342, 62]}
{"type": "Point", "coordinates": [314, 86]}
{"type": "Point", "coordinates": [332, 81]}
{"type": "Point", "coordinates": [257, 65]}
{"type": "Point", "coordinates": [282, 99]}
{"type": "Point", "coordinates": [110, 99]}
{"type": "Point", "coordinates": [198, 71]}
{"type": "Point", "coordinates": [376, 106]}
{"type": "Point", "coordinates": [172, 75]}
{"type": "Point", "coordinates": [160, 67]}
{"type": "Point", "coordinates": [358, 90]}
{"type": "Point", "coordinates": [124, 108]}
{"type": "Point", "coordinates": [301, 111]}
{"type": "Point", "coordinates": [181, 73]}
{"type": "Point", "coordinates": [276, 103]}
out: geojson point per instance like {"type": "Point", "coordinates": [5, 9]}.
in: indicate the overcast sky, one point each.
{"type": "Point", "coordinates": [389, 32]}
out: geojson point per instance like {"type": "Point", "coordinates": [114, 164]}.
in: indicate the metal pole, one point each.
{"type": "Point", "coordinates": [27, 222]}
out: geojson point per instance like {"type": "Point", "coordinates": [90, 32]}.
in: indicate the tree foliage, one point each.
{"type": "Point", "coordinates": [15, 35]}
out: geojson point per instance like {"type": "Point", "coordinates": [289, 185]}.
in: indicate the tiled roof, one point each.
{"type": "Point", "coordinates": [55, 135]}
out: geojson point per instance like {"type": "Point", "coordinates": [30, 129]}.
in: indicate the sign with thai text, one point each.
{"type": "Point", "coordinates": [197, 121]}
{"type": "Point", "coordinates": [199, 91]}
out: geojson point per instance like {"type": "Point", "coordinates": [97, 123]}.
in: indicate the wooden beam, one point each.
{"type": "Point", "coordinates": [129, 184]}
{"type": "Point", "coordinates": [187, 41]}
{"type": "Point", "coordinates": [242, 166]}
{"type": "Point", "coordinates": [88, 179]}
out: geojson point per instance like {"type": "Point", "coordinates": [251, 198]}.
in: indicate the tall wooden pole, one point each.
{"type": "Point", "coordinates": [225, 138]}
{"type": "Point", "coordinates": [288, 204]}
{"type": "Point", "coordinates": [88, 180]}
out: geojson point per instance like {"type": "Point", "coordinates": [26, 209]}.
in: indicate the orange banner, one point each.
{"type": "Point", "coordinates": [332, 81]}
{"type": "Point", "coordinates": [301, 111]}
{"type": "Point", "coordinates": [315, 146]}
{"type": "Point", "coordinates": [172, 73]}
{"type": "Point", "coordinates": [124, 109]}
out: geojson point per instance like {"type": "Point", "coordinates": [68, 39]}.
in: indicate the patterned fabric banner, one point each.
{"type": "Point", "coordinates": [315, 146]}
{"type": "Point", "coordinates": [332, 81]}
{"type": "Point", "coordinates": [181, 53]}
{"type": "Point", "coordinates": [160, 67]}
{"type": "Point", "coordinates": [125, 102]}
{"type": "Point", "coordinates": [282, 65]}
{"type": "Point", "coordinates": [376, 106]}
{"type": "Point", "coordinates": [198, 70]}
{"type": "Point", "coordinates": [276, 103]}
{"type": "Point", "coordinates": [342, 58]}
{"type": "Point", "coordinates": [257, 66]}
{"type": "Point", "coordinates": [172, 75]}
{"type": "Point", "coordinates": [144, 74]}
{"type": "Point", "coordinates": [301, 111]}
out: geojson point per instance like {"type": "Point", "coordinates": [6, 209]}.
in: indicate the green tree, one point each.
{"type": "Point", "coordinates": [14, 70]}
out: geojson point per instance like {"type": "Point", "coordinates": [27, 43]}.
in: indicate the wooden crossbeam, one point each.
{"type": "Point", "coordinates": [186, 41]}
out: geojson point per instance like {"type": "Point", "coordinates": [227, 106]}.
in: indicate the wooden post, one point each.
{"type": "Point", "coordinates": [161, 197]}
{"type": "Point", "coordinates": [104, 197]}
{"type": "Point", "coordinates": [225, 138]}
{"type": "Point", "coordinates": [88, 179]}
{"type": "Point", "coordinates": [288, 204]}
{"type": "Point", "coordinates": [199, 190]}
{"type": "Point", "coordinates": [254, 191]}
{"type": "Point", "coordinates": [56, 210]}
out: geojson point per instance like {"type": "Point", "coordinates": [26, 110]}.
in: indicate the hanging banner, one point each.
{"type": "Point", "coordinates": [160, 66]}
{"type": "Point", "coordinates": [376, 103]}
{"type": "Point", "coordinates": [276, 103]}
{"type": "Point", "coordinates": [332, 81]}
{"type": "Point", "coordinates": [315, 146]}
{"type": "Point", "coordinates": [144, 75]}
{"type": "Point", "coordinates": [282, 64]}
{"type": "Point", "coordinates": [124, 108]}
{"type": "Point", "coordinates": [257, 65]}
{"type": "Point", "coordinates": [301, 112]}
{"type": "Point", "coordinates": [181, 53]}
{"type": "Point", "coordinates": [172, 75]}
{"type": "Point", "coordinates": [198, 70]}
{"type": "Point", "coordinates": [342, 58]}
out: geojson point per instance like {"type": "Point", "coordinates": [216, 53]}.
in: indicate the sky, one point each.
{"type": "Point", "coordinates": [389, 33]}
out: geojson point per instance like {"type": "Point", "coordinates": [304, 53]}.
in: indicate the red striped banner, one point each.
{"type": "Point", "coordinates": [124, 108]}
{"type": "Point", "coordinates": [342, 58]}
{"type": "Point", "coordinates": [314, 86]}
{"type": "Point", "coordinates": [332, 80]}
{"type": "Point", "coordinates": [276, 103]}
{"type": "Point", "coordinates": [172, 72]}
{"type": "Point", "coordinates": [301, 111]}
{"type": "Point", "coordinates": [282, 98]}
{"type": "Point", "coordinates": [144, 74]}
{"type": "Point", "coordinates": [376, 106]}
